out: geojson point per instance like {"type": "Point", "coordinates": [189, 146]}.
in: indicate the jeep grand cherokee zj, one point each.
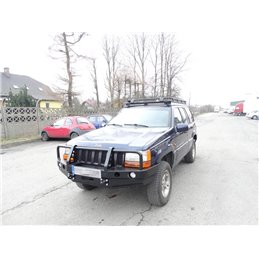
{"type": "Point", "coordinates": [141, 145]}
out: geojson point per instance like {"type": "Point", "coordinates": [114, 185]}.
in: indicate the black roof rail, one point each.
{"type": "Point", "coordinates": [146, 101]}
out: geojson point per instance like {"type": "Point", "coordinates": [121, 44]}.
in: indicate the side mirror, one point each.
{"type": "Point", "coordinates": [182, 127]}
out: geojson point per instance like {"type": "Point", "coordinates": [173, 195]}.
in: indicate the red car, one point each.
{"type": "Point", "coordinates": [67, 127]}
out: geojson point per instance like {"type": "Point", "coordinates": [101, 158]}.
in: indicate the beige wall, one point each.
{"type": "Point", "coordinates": [52, 104]}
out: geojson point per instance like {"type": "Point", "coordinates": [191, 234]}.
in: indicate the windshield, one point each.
{"type": "Point", "coordinates": [143, 117]}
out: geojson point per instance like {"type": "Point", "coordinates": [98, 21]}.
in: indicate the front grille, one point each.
{"type": "Point", "coordinates": [98, 157]}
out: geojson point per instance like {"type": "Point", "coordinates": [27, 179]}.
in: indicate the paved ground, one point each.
{"type": "Point", "coordinates": [221, 187]}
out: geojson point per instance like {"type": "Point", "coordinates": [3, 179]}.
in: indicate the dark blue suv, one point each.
{"type": "Point", "coordinates": [141, 145]}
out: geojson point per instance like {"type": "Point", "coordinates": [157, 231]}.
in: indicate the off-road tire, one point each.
{"type": "Point", "coordinates": [85, 186]}
{"type": "Point", "coordinates": [73, 135]}
{"type": "Point", "coordinates": [158, 191]}
{"type": "Point", "coordinates": [44, 136]}
{"type": "Point", "coordinates": [191, 155]}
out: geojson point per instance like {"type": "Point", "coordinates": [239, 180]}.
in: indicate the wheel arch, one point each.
{"type": "Point", "coordinates": [73, 131]}
{"type": "Point", "coordinates": [44, 131]}
{"type": "Point", "coordinates": [169, 158]}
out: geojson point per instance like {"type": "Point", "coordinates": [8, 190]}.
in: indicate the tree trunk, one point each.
{"type": "Point", "coordinates": [96, 85]}
{"type": "Point", "coordinates": [69, 73]}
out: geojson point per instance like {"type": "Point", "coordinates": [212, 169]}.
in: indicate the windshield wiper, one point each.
{"type": "Point", "coordinates": [136, 125]}
{"type": "Point", "coordinates": [114, 124]}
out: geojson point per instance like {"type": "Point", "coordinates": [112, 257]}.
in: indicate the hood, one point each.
{"type": "Point", "coordinates": [119, 137]}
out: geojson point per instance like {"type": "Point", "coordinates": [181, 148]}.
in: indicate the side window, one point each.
{"type": "Point", "coordinates": [68, 122]}
{"type": "Point", "coordinates": [177, 116]}
{"type": "Point", "coordinates": [100, 119]}
{"type": "Point", "coordinates": [59, 122]}
{"type": "Point", "coordinates": [90, 119]}
{"type": "Point", "coordinates": [184, 115]}
{"type": "Point", "coordinates": [190, 115]}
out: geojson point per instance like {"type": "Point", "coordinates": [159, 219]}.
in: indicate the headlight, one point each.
{"type": "Point", "coordinates": [133, 159]}
{"type": "Point", "coordinates": [66, 153]}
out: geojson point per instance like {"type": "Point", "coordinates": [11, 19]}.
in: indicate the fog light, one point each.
{"type": "Point", "coordinates": [132, 175]}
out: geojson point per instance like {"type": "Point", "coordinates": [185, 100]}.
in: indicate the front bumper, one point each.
{"type": "Point", "coordinates": [111, 177]}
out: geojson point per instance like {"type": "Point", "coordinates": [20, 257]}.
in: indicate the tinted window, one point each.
{"type": "Point", "coordinates": [184, 115]}
{"type": "Point", "coordinates": [177, 116]}
{"type": "Point", "coordinates": [189, 115]}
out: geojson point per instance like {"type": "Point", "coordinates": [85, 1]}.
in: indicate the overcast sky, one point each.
{"type": "Point", "coordinates": [221, 36]}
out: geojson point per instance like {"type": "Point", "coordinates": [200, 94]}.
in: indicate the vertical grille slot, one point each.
{"type": "Point", "coordinates": [91, 157]}
{"type": "Point", "coordinates": [117, 159]}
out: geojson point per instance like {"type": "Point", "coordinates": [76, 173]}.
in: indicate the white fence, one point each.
{"type": "Point", "coordinates": [18, 122]}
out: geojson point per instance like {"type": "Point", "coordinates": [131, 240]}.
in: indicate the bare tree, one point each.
{"type": "Point", "coordinates": [173, 66]}
{"type": "Point", "coordinates": [111, 48]}
{"type": "Point", "coordinates": [93, 74]}
{"type": "Point", "coordinates": [139, 52]}
{"type": "Point", "coordinates": [63, 45]}
{"type": "Point", "coordinates": [94, 78]}
{"type": "Point", "coordinates": [167, 64]}
{"type": "Point", "coordinates": [133, 63]}
{"type": "Point", "coordinates": [162, 46]}
{"type": "Point", "coordinates": [154, 55]}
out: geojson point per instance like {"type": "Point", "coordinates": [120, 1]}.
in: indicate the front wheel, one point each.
{"type": "Point", "coordinates": [44, 136]}
{"type": "Point", "coordinates": [85, 186]}
{"type": "Point", "coordinates": [158, 192]}
{"type": "Point", "coordinates": [73, 135]}
{"type": "Point", "coordinates": [254, 117]}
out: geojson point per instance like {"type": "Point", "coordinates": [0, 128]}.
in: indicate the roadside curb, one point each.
{"type": "Point", "coordinates": [18, 143]}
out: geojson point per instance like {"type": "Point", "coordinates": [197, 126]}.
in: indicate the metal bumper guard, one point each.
{"type": "Point", "coordinates": [109, 176]}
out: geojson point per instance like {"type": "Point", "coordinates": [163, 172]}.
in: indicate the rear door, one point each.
{"type": "Point", "coordinates": [179, 140]}
{"type": "Point", "coordinates": [55, 130]}
{"type": "Point", "coordinates": [66, 128]}
{"type": "Point", "coordinates": [188, 119]}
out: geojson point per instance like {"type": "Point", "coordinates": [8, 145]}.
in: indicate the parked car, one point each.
{"type": "Point", "coordinates": [99, 120]}
{"type": "Point", "coordinates": [140, 146]}
{"type": "Point", "coordinates": [67, 127]}
{"type": "Point", "coordinates": [254, 115]}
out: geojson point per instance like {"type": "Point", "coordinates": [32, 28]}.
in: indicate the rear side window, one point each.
{"type": "Point", "coordinates": [68, 122]}
{"type": "Point", "coordinates": [100, 119]}
{"type": "Point", "coordinates": [177, 116]}
{"type": "Point", "coordinates": [189, 115]}
{"type": "Point", "coordinates": [92, 119]}
{"type": "Point", "coordinates": [82, 120]}
{"type": "Point", "coordinates": [184, 115]}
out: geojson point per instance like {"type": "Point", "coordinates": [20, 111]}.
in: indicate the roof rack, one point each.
{"type": "Point", "coordinates": [165, 100]}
